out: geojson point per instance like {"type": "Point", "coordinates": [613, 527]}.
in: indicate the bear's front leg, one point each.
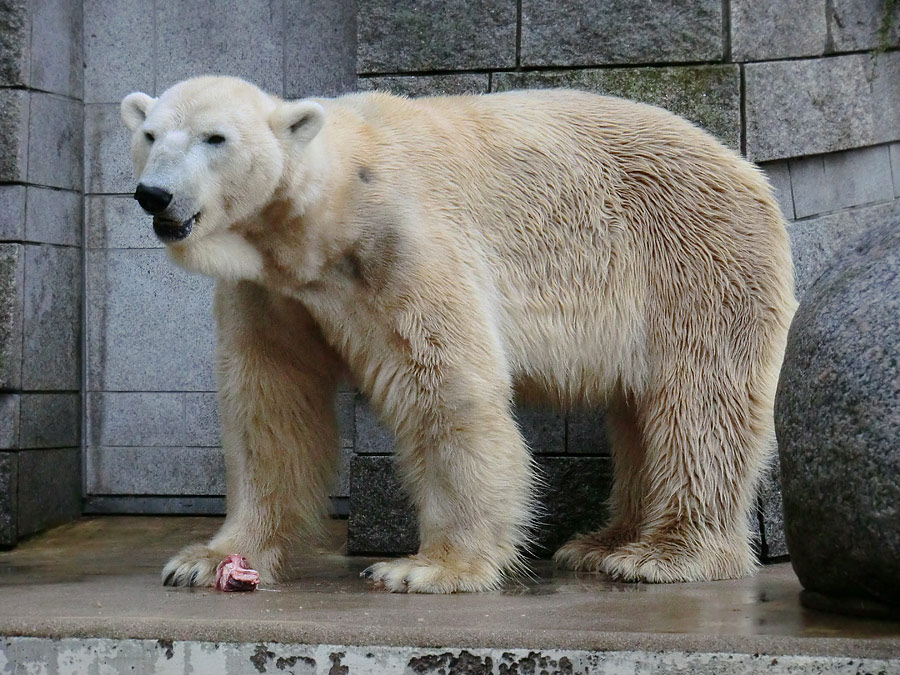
{"type": "Point", "coordinates": [441, 383]}
{"type": "Point", "coordinates": [277, 382]}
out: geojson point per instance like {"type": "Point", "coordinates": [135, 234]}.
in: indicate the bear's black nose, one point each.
{"type": "Point", "coordinates": [152, 199]}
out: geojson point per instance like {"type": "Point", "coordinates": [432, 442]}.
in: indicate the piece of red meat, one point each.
{"type": "Point", "coordinates": [234, 574]}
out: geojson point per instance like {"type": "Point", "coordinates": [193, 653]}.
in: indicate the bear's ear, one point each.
{"type": "Point", "coordinates": [134, 109]}
{"type": "Point", "coordinates": [298, 120]}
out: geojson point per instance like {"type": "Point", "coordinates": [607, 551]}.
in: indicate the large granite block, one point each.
{"type": "Point", "coordinates": [14, 135]}
{"type": "Point", "coordinates": [383, 522]}
{"type": "Point", "coordinates": [773, 29]}
{"type": "Point", "coordinates": [10, 405]}
{"type": "Point", "coordinates": [421, 35]}
{"type": "Point", "coordinates": [12, 283]}
{"type": "Point", "coordinates": [150, 325]}
{"type": "Point", "coordinates": [864, 24]}
{"type": "Point", "coordinates": [49, 488]}
{"type": "Point", "coordinates": [201, 420]}
{"type": "Point", "coordinates": [816, 241]}
{"type": "Point", "coordinates": [12, 212]}
{"type": "Point", "coordinates": [53, 217]}
{"type": "Point", "coordinates": [56, 47]}
{"type": "Point", "coordinates": [428, 85]}
{"type": "Point", "coordinates": [15, 43]}
{"type": "Point", "coordinates": [243, 38]}
{"type": "Point", "coordinates": [114, 221]}
{"type": "Point", "coordinates": [51, 351]}
{"type": "Point", "coordinates": [806, 107]}
{"type": "Point", "coordinates": [116, 40]}
{"type": "Point", "coordinates": [136, 419]}
{"type": "Point", "coordinates": [155, 471]}
{"type": "Point", "coordinates": [707, 95]}
{"type": "Point", "coordinates": [582, 32]}
{"type": "Point", "coordinates": [9, 498]}
{"type": "Point", "coordinates": [779, 175]}
{"type": "Point", "coordinates": [50, 420]}
{"type": "Point", "coordinates": [837, 415]}
{"type": "Point", "coordinates": [55, 142]}
{"type": "Point", "coordinates": [107, 151]}
{"type": "Point", "coordinates": [839, 180]}
{"type": "Point", "coordinates": [315, 28]}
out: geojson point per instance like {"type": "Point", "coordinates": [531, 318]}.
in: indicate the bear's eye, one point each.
{"type": "Point", "coordinates": [215, 139]}
{"type": "Point", "coordinates": [150, 137]}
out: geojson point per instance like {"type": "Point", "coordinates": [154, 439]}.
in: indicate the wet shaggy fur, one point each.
{"type": "Point", "coordinates": [449, 253]}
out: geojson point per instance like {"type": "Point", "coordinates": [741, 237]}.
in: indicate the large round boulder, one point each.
{"type": "Point", "coordinates": [837, 415]}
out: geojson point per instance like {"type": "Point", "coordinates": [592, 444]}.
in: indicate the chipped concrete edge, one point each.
{"type": "Point", "coordinates": [80, 655]}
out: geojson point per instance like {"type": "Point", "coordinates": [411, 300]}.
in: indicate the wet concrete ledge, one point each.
{"type": "Point", "coordinates": [93, 587]}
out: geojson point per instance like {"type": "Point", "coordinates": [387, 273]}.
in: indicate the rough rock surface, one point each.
{"type": "Point", "coordinates": [838, 424]}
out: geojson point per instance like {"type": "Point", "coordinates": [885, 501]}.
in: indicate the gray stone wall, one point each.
{"type": "Point", "coordinates": [40, 264]}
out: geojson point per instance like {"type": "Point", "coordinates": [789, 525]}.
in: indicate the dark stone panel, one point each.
{"type": "Point", "coordinates": [544, 430]}
{"type": "Point", "coordinates": [586, 433]}
{"type": "Point", "coordinates": [117, 505]}
{"type": "Point", "coordinates": [49, 488]}
{"type": "Point", "coordinates": [9, 496]}
{"type": "Point", "coordinates": [382, 520]}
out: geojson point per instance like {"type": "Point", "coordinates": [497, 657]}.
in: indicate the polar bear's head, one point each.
{"type": "Point", "coordinates": [212, 151]}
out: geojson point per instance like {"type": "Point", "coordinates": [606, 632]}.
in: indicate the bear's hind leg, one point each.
{"type": "Point", "coordinates": [703, 458]}
{"type": "Point", "coordinates": [276, 398]}
{"type": "Point", "coordinates": [586, 552]}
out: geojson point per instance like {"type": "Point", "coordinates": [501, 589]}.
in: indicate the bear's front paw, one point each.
{"type": "Point", "coordinates": [418, 574]}
{"type": "Point", "coordinates": [196, 565]}
{"type": "Point", "coordinates": [192, 566]}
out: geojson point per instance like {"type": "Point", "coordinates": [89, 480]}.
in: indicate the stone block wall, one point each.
{"type": "Point", "coordinates": [810, 90]}
{"type": "Point", "coordinates": [40, 265]}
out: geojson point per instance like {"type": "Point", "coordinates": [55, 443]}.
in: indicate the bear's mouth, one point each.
{"type": "Point", "coordinates": [169, 231]}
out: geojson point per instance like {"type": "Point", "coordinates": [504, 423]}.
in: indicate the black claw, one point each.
{"type": "Point", "coordinates": [193, 579]}
{"type": "Point", "coordinates": [169, 581]}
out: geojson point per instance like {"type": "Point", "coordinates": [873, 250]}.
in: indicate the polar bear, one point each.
{"type": "Point", "coordinates": [449, 253]}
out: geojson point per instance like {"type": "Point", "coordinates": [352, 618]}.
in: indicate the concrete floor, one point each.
{"type": "Point", "coordinates": [97, 580]}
